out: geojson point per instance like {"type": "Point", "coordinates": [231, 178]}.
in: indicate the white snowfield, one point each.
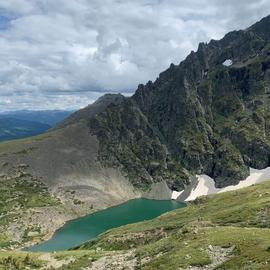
{"type": "Point", "coordinates": [206, 184]}
{"type": "Point", "coordinates": [227, 63]}
{"type": "Point", "coordinates": [176, 194]}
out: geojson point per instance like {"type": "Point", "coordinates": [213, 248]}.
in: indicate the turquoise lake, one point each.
{"type": "Point", "coordinates": [80, 230]}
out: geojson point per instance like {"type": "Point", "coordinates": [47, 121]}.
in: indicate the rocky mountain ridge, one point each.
{"type": "Point", "coordinates": [201, 116]}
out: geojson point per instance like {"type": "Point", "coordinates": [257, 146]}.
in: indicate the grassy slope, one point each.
{"type": "Point", "coordinates": [182, 237]}
{"type": "Point", "coordinates": [239, 218]}
{"type": "Point", "coordinates": [22, 260]}
{"type": "Point", "coordinates": [18, 195]}
{"type": "Point", "coordinates": [14, 145]}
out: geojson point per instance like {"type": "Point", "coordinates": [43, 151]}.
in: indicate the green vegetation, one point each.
{"type": "Point", "coordinates": [17, 196]}
{"type": "Point", "coordinates": [19, 261]}
{"type": "Point", "coordinates": [22, 144]}
{"type": "Point", "coordinates": [20, 195]}
{"type": "Point", "coordinates": [81, 258]}
{"type": "Point", "coordinates": [70, 260]}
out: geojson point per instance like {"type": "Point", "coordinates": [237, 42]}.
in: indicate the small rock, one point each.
{"type": "Point", "coordinates": [19, 175]}
{"type": "Point", "coordinates": [32, 234]}
{"type": "Point", "coordinates": [22, 165]}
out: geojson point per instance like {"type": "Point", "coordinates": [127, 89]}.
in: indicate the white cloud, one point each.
{"type": "Point", "coordinates": [65, 54]}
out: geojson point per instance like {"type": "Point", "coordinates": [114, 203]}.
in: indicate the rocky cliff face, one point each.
{"type": "Point", "coordinates": [209, 114]}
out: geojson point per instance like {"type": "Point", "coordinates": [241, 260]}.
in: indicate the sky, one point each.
{"type": "Point", "coordinates": [64, 54]}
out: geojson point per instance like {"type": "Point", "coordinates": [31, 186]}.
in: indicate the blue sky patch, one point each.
{"type": "Point", "coordinates": [4, 22]}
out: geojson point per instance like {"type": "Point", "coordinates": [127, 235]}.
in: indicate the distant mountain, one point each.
{"type": "Point", "coordinates": [49, 117]}
{"type": "Point", "coordinates": [11, 128]}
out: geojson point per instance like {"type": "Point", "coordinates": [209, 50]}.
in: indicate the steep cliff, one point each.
{"type": "Point", "coordinates": [209, 114]}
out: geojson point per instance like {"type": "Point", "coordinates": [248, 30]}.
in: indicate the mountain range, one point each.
{"type": "Point", "coordinates": [48, 117]}
{"type": "Point", "coordinates": [12, 128]}
{"type": "Point", "coordinates": [210, 115]}
{"type": "Point", "coordinates": [26, 123]}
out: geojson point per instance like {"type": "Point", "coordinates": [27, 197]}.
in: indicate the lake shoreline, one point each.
{"type": "Point", "coordinates": [111, 224]}
{"type": "Point", "coordinates": [48, 236]}
{"type": "Point", "coordinates": [158, 191]}
{"type": "Point", "coordinates": [197, 188]}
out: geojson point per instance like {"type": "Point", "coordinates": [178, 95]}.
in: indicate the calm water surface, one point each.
{"type": "Point", "coordinates": [80, 230]}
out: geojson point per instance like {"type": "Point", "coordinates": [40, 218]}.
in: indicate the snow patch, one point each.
{"type": "Point", "coordinates": [206, 184]}
{"type": "Point", "coordinates": [176, 194]}
{"type": "Point", "coordinates": [227, 63]}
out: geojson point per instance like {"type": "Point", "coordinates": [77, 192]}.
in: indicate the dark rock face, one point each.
{"type": "Point", "coordinates": [198, 117]}
{"type": "Point", "coordinates": [129, 141]}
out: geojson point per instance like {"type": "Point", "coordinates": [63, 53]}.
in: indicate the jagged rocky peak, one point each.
{"type": "Point", "coordinates": [209, 114]}
{"type": "Point", "coordinates": [237, 46]}
{"type": "Point", "coordinates": [262, 28]}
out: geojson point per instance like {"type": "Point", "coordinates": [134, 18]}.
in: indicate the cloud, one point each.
{"type": "Point", "coordinates": [65, 54]}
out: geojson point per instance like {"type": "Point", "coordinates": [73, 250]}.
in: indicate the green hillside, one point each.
{"type": "Point", "coordinates": [225, 231]}
{"type": "Point", "coordinates": [237, 221]}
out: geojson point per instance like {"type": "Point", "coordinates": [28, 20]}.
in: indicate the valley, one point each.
{"type": "Point", "coordinates": [26, 123]}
